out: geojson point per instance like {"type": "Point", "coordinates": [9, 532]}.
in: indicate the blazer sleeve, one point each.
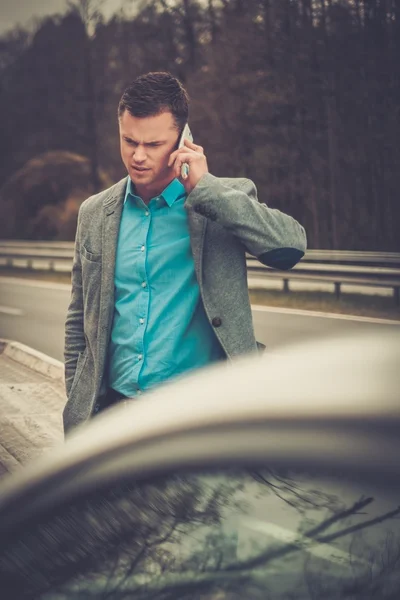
{"type": "Point", "coordinates": [74, 331]}
{"type": "Point", "coordinates": [275, 238]}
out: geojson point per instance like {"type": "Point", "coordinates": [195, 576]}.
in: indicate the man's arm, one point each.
{"type": "Point", "coordinates": [276, 239]}
{"type": "Point", "coordinates": [74, 333]}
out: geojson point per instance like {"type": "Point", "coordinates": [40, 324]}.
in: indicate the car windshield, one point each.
{"type": "Point", "coordinates": [213, 535]}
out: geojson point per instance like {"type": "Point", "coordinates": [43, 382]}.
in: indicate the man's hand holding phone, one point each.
{"type": "Point", "coordinates": [189, 162]}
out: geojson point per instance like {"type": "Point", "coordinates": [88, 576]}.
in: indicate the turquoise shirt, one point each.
{"type": "Point", "coordinates": [160, 329]}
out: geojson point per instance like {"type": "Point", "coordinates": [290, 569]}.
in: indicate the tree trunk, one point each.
{"type": "Point", "coordinates": [332, 161]}
{"type": "Point", "coordinates": [188, 22]}
{"type": "Point", "coordinates": [90, 116]}
{"type": "Point", "coordinates": [87, 10]}
{"type": "Point", "coordinates": [213, 21]}
{"type": "Point", "coordinates": [268, 32]}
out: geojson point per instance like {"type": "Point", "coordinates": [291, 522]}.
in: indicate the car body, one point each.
{"type": "Point", "coordinates": [271, 477]}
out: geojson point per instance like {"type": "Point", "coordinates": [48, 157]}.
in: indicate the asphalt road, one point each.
{"type": "Point", "coordinates": [33, 312]}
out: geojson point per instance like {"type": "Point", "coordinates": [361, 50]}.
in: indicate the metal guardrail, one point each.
{"type": "Point", "coordinates": [377, 269]}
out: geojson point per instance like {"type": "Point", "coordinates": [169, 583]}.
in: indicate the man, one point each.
{"type": "Point", "coordinates": [159, 284]}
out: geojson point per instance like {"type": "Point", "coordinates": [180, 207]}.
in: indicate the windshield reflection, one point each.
{"type": "Point", "coordinates": [219, 535]}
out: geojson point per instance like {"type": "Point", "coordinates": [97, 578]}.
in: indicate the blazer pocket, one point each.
{"type": "Point", "coordinates": [90, 255]}
{"type": "Point", "coordinates": [80, 363]}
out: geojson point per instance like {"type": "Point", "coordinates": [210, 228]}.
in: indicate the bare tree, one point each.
{"type": "Point", "coordinates": [89, 12]}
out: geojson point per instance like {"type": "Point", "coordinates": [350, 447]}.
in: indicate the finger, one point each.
{"type": "Point", "coordinates": [174, 154]}
{"type": "Point", "coordinates": [184, 157]}
{"type": "Point", "coordinates": [184, 172]}
{"type": "Point", "coordinates": [189, 158]}
{"type": "Point", "coordinates": [178, 167]}
{"type": "Point", "coordinates": [172, 157]}
{"type": "Point", "coordinates": [194, 146]}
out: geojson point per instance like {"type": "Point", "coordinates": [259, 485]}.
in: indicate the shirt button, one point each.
{"type": "Point", "coordinates": [144, 284]}
{"type": "Point", "coordinates": [146, 213]}
{"type": "Point", "coordinates": [139, 392]}
{"type": "Point", "coordinates": [142, 248]}
{"type": "Point", "coordinates": [141, 321]}
{"type": "Point", "coordinates": [140, 356]}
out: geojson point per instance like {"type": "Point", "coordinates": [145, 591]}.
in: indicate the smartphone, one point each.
{"type": "Point", "coordinates": [186, 135]}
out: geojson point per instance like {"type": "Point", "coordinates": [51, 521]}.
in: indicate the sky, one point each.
{"type": "Point", "coordinates": [13, 12]}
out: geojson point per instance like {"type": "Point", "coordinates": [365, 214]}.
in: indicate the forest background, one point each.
{"type": "Point", "coordinates": [301, 96]}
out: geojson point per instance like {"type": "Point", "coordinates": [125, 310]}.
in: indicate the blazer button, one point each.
{"type": "Point", "coordinates": [217, 322]}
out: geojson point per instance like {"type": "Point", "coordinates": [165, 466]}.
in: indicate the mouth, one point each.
{"type": "Point", "coordinates": [140, 169]}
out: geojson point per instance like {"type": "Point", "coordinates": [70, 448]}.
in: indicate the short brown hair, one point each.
{"type": "Point", "coordinates": [155, 93]}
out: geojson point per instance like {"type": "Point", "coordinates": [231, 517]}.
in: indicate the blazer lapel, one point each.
{"type": "Point", "coordinates": [112, 210]}
{"type": "Point", "coordinates": [197, 228]}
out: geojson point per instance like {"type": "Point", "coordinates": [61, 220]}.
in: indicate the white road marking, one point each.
{"type": "Point", "coordinates": [321, 550]}
{"type": "Point", "coordinates": [48, 285]}
{"type": "Point", "coordinates": [8, 310]}
{"type": "Point", "coordinates": [322, 315]}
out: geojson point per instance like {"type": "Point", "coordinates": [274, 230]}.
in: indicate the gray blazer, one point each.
{"type": "Point", "coordinates": [225, 220]}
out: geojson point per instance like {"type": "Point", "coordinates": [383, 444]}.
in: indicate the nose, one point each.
{"type": "Point", "coordinates": [139, 154]}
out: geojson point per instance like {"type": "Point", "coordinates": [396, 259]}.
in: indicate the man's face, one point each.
{"type": "Point", "coordinates": [146, 145]}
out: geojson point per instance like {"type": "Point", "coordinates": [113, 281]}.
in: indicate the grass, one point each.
{"type": "Point", "coordinates": [382, 307]}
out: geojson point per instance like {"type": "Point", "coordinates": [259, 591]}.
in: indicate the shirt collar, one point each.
{"type": "Point", "coordinates": [130, 190]}
{"type": "Point", "coordinates": [173, 192]}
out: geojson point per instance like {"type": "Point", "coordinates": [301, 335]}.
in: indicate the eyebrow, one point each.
{"type": "Point", "coordinates": [129, 139]}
